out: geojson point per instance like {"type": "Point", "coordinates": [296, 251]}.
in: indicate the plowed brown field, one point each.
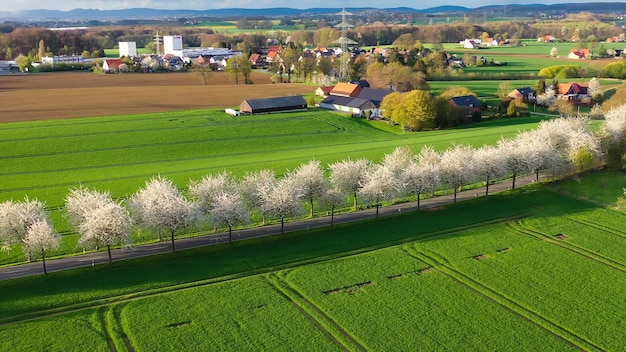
{"type": "Point", "coordinates": [83, 94]}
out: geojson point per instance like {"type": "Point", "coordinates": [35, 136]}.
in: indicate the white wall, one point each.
{"type": "Point", "coordinates": [128, 49]}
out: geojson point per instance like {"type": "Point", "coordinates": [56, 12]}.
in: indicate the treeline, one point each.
{"type": "Point", "coordinates": [557, 147]}
{"type": "Point", "coordinates": [15, 40]}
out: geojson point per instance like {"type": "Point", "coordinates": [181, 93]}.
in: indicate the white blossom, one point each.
{"type": "Point", "coordinates": [489, 164]}
{"type": "Point", "coordinates": [161, 206]}
{"type": "Point", "coordinates": [310, 179]}
{"type": "Point", "coordinates": [81, 201]}
{"type": "Point", "coordinates": [107, 225]}
{"type": "Point", "coordinates": [379, 185]}
{"type": "Point", "coordinates": [41, 237]}
{"type": "Point", "coordinates": [206, 190]}
{"type": "Point", "coordinates": [457, 167]}
{"type": "Point", "coordinates": [547, 98]}
{"type": "Point", "coordinates": [17, 217]}
{"type": "Point", "coordinates": [281, 200]}
{"type": "Point", "coordinates": [332, 199]}
{"type": "Point", "coordinates": [348, 176]}
{"type": "Point", "coordinates": [229, 209]}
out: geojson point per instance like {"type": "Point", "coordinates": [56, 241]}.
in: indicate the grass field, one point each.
{"type": "Point", "coordinates": [534, 269]}
{"type": "Point", "coordinates": [44, 159]}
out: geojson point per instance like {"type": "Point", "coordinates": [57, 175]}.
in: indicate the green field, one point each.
{"type": "Point", "coordinates": [533, 269]}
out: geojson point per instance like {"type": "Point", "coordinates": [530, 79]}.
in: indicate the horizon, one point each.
{"type": "Point", "coordinates": [204, 5]}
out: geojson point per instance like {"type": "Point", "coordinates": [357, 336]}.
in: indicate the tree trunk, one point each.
{"type": "Point", "coordinates": [173, 246]}
{"type": "Point", "coordinates": [487, 186]}
{"type": "Point", "coordinates": [537, 175]}
{"type": "Point", "coordinates": [418, 199]}
{"type": "Point", "coordinates": [282, 225]}
{"type": "Point", "coordinates": [109, 251]}
{"type": "Point", "coordinates": [454, 194]}
{"type": "Point", "coordinates": [377, 205]}
{"type": "Point", "coordinates": [355, 202]}
{"type": "Point", "coordinates": [230, 234]}
{"type": "Point", "coordinates": [311, 203]}
{"type": "Point", "coordinates": [513, 185]}
{"type": "Point", "coordinates": [332, 216]}
{"type": "Point", "coordinates": [43, 261]}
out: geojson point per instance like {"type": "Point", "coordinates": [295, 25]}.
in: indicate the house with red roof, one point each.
{"type": "Point", "coordinates": [111, 65]}
{"type": "Point", "coordinates": [579, 54]}
{"type": "Point", "coordinates": [343, 89]}
{"type": "Point", "coordinates": [573, 91]}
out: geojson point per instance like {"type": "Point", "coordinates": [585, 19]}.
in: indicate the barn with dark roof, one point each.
{"type": "Point", "coordinates": [273, 105]}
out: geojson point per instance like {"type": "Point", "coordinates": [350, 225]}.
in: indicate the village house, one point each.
{"type": "Point", "coordinates": [111, 65]}
{"type": "Point", "coordinates": [579, 54]}
{"type": "Point", "coordinates": [466, 102]}
{"type": "Point", "coordinates": [573, 91]}
{"type": "Point", "coordinates": [525, 94]}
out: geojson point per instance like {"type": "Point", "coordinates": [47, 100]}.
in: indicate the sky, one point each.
{"type": "Point", "coordinates": [16, 5]}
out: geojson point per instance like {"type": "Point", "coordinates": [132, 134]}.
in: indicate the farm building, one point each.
{"type": "Point", "coordinates": [324, 91]}
{"type": "Point", "coordinates": [111, 65]}
{"type": "Point", "coordinates": [363, 100]}
{"type": "Point", "coordinates": [573, 91]}
{"type": "Point", "coordinates": [346, 90]}
{"type": "Point", "coordinates": [579, 54]}
{"type": "Point", "coordinates": [524, 94]}
{"type": "Point", "coordinates": [128, 49]}
{"type": "Point", "coordinates": [355, 106]}
{"type": "Point", "coordinates": [273, 105]}
{"type": "Point", "coordinates": [374, 95]}
{"type": "Point", "coordinates": [469, 102]}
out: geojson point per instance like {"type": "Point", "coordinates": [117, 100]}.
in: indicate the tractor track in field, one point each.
{"type": "Point", "coordinates": [134, 296]}
{"type": "Point", "coordinates": [505, 302]}
{"type": "Point", "coordinates": [596, 257]}
{"type": "Point", "coordinates": [321, 320]}
{"type": "Point", "coordinates": [601, 227]}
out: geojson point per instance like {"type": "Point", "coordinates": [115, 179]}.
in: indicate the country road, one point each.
{"type": "Point", "coordinates": [98, 258]}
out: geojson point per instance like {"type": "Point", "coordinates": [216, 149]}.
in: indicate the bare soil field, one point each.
{"type": "Point", "coordinates": [83, 94]}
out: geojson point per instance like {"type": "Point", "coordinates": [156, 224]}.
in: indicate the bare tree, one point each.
{"type": "Point", "coordinates": [41, 237]}
{"type": "Point", "coordinates": [348, 176]}
{"type": "Point", "coordinates": [489, 164]}
{"type": "Point", "coordinates": [331, 199]}
{"type": "Point", "coordinates": [457, 167]}
{"type": "Point", "coordinates": [379, 185]}
{"type": "Point", "coordinates": [281, 200]}
{"type": "Point", "coordinates": [161, 206]}
{"type": "Point", "coordinates": [229, 209]}
{"type": "Point", "coordinates": [310, 179]}
{"type": "Point", "coordinates": [107, 225]}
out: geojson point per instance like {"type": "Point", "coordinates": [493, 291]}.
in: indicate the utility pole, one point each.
{"type": "Point", "coordinates": [343, 42]}
{"type": "Point", "coordinates": [158, 40]}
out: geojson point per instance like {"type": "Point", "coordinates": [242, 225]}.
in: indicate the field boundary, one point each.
{"type": "Point", "coordinates": [505, 302]}
{"type": "Point", "coordinates": [320, 319]}
{"type": "Point", "coordinates": [133, 296]}
{"type": "Point", "coordinates": [519, 228]}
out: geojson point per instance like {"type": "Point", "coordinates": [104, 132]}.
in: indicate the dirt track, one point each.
{"type": "Point", "coordinates": [82, 94]}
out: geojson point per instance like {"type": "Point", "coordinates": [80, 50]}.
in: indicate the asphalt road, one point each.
{"type": "Point", "coordinates": [98, 258]}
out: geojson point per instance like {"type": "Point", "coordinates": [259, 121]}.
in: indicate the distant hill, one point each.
{"type": "Point", "coordinates": [148, 13]}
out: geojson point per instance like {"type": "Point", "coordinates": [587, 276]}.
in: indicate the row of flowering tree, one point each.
{"type": "Point", "coordinates": [557, 147]}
